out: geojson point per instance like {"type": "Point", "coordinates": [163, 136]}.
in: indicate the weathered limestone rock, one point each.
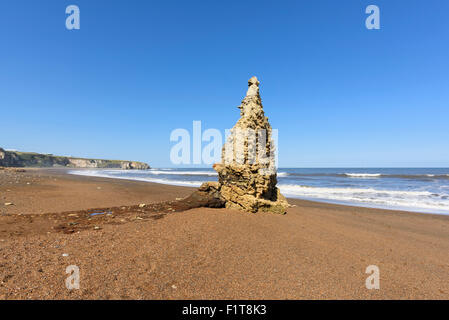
{"type": "Point", "coordinates": [247, 173]}
{"type": "Point", "coordinates": [208, 195]}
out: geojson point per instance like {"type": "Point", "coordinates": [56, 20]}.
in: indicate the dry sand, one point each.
{"type": "Point", "coordinates": [316, 251]}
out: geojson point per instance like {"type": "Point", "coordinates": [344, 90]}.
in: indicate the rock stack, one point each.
{"type": "Point", "coordinates": [247, 172]}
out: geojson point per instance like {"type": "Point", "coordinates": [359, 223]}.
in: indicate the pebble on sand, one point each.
{"type": "Point", "coordinates": [9, 204]}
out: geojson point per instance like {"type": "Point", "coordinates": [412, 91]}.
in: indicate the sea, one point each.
{"type": "Point", "coordinates": [412, 189]}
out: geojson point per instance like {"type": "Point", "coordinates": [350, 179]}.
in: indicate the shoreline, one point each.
{"type": "Point", "coordinates": [316, 251]}
{"type": "Point", "coordinates": [320, 200]}
{"type": "Point", "coordinates": [183, 191]}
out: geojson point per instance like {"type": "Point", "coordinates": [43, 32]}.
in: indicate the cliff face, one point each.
{"type": "Point", "coordinates": [29, 159]}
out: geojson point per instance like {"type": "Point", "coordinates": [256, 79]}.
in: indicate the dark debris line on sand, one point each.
{"type": "Point", "coordinates": [75, 221]}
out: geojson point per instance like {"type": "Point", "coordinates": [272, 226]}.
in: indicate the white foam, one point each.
{"type": "Point", "coordinates": [363, 175]}
{"type": "Point", "coordinates": [113, 174]}
{"type": "Point", "coordinates": [181, 173]}
{"type": "Point", "coordinates": [410, 200]}
{"type": "Point", "coordinates": [282, 174]}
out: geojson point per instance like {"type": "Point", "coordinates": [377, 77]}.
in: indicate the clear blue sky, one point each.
{"type": "Point", "coordinates": [339, 94]}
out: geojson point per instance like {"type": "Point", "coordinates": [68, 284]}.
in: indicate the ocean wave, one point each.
{"type": "Point", "coordinates": [363, 175]}
{"type": "Point", "coordinates": [183, 173]}
{"type": "Point", "coordinates": [408, 200]}
{"type": "Point", "coordinates": [425, 176]}
{"type": "Point", "coordinates": [115, 174]}
{"type": "Point", "coordinates": [197, 173]}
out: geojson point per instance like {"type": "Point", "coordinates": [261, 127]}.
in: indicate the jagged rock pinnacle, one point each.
{"type": "Point", "coordinates": [253, 85]}
{"type": "Point", "coordinates": [247, 173]}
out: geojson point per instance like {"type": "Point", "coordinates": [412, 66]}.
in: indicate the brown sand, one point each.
{"type": "Point", "coordinates": [316, 251]}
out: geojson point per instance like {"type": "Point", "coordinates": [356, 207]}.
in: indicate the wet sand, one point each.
{"type": "Point", "coordinates": [160, 251]}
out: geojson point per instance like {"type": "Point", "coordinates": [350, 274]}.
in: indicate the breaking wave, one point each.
{"type": "Point", "coordinates": [407, 200]}
{"type": "Point", "coordinates": [363, 175]}
{"type": "Point", "coordinates": [182, 173]}
{"type": "Point", "coordinates": [371, 175]}
{"type": "Point", "coordinates": [282, 174]}
{"type": "Point", "coordinates": [122, 174]}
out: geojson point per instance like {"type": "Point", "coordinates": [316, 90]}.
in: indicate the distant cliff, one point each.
{"type": "Point", "coordinates": [31, 159]}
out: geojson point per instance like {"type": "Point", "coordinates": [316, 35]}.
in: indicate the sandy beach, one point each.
{"type": "Point", "coordinates": [160, 251]}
